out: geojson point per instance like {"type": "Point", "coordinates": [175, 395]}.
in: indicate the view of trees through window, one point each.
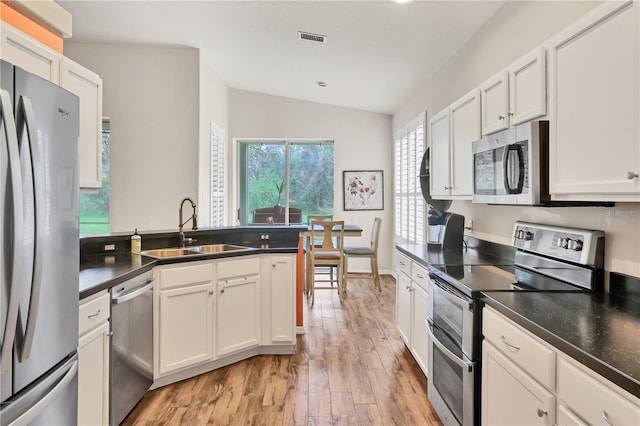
{"type": "Point", "coordinates": [94, 207]}
{"type": "Point", "coordinates": [264, 184]}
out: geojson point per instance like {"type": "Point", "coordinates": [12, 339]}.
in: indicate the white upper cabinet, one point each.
{"type": "Point", "coordinates": [594, 91]}
{"type": "Point", "coordinates": [29, 54]}
{"type": "Point", "coordinates": [465, 128]}
{"type": "Point", "coordinates": [439, 155]}
{"type": "Point", "coordinates": [87, 85]}
{"type": "Point", "coordinates": [452, 132]}
{"type": "Point", "coordinates": [495, 103]}
{"type": "Point", "coordinates": [515, 95]}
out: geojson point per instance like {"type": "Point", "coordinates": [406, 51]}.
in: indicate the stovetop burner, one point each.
{"type": "Point", "coordinates": [472, 279]}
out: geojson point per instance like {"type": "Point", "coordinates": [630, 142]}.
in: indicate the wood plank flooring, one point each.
{"type": "Point", "coordinates": [350, 368]}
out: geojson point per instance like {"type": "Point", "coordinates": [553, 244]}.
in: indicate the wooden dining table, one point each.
{"type": "Point", "coordinates": [304, 243]}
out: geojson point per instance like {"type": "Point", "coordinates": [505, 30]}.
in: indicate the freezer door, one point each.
{"type": "Point", "coordinates": [50, 401]}
{"type": "Point", "coordinates": [47, 127]}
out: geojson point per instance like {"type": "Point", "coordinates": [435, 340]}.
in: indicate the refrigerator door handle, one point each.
{"type": "Point", "coordinates": [37, 170]}
{"type": "Point", "coordinates": [13, 157]}
{"type": "Point", "coordinates": [37, 408]}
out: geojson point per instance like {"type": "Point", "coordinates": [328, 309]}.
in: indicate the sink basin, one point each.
{"type": "Point", "coordinates": [217, 248]}
{"type": "Point", "coordinates": [170, 252]}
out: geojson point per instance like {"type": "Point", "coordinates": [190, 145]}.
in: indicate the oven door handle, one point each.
{"type": "Point", "coordinates": [468, 365]}
{"type": "Point", "coordinates": [432, 325]}
{"type": "Point", "coordinates": [449, 294]}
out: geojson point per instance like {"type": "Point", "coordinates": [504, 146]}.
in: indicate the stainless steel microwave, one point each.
{"type": "Point", "coordinates": [511, 166]}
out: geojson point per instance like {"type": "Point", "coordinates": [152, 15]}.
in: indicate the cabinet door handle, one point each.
{"type": "Point", "coordinates": [222, 290]}
{"type": "Point", "coordinates": [510, 114]}
{"type": "Point", "coordinates": [446, 188]}
{"type": "Point", "coordinates": [408, 288]}
{"type": "Point", "coordinates": [632, 175]}
{"type": "Point", "coordinates": [510, 345]}
{"type": "Point", "coordinates": [501, 117]}
{"type": "Point", "coordinates": [94, 315]}
{"type": "Point", "coordinates": [605, 416]}
{"type": "Point", "coordinates": [542, 412]}
{"type": "Point", "coordinates": [210, 292]}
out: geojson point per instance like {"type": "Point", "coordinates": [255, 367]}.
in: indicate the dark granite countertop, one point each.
{"type": "Point", "coordinates": [600, 331]}
{"type": "Point", "coordinates": [101, 271]}
{"type": "Point", "coordinates": [425, 256]}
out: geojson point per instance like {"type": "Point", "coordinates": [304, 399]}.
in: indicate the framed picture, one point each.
{"type": "Point", "coordinates": [363, 190]}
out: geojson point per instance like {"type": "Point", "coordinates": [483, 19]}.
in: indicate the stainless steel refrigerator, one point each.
{"type": "Point", "coordinates": [40, 250]}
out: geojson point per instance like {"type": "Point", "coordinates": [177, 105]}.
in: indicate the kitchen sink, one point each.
{"type": "Point", "coordinates": [217, 248]}
{"type": "Point", "coordinates": [170, 252]}
{"type": "Point", "coordinates": [195, 250]}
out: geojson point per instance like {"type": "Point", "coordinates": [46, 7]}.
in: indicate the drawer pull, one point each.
{"type": "Point", "coordinates": [542, 412]}
{"type": "Point", "coordinates": [94, 315]}
{"type": "Point", "coordinates": [510, 345]}
{"type": "Point", "coordinates": [420, 276]}
{"type": "Point", "coordinates": [605, 416]}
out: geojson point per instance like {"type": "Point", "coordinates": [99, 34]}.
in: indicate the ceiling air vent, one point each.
{"type": "Point", "coordinates": [312, 37]}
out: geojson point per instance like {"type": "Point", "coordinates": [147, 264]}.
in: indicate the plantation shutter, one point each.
{"type": "Point", "coordinates": [217, 175]}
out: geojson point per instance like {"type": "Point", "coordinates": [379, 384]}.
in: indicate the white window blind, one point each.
{"type": "Point", "coordinates": [217, 175]}
{"type": "Point", "coordinates": [409, 145]}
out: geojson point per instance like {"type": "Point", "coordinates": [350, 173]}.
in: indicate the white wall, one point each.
{"type": "Point", "coordinates": [159, 116]}
{"type": "Point", "coordinates": [214, 106]}
{"type": "Point", "coordinates": [513, 31]}
{"type": "Point", "coordinates": [362, 141]}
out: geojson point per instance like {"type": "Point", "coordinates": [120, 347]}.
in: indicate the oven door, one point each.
{"type": "Point", "coordinates": [453, 314]}
{"type": "Point", "coordinates": [451, 380]}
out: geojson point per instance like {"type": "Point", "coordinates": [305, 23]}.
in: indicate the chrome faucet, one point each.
{"type": "Point", "coordinates": [193, 218]}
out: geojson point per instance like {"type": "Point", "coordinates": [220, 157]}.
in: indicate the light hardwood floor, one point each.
{"type": "Point", "coordinates": [350, 368]}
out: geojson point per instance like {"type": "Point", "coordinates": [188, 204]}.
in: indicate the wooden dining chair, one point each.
{"type": "Point", "coordinates": [370, 252]}
{"type": "Point", "coordinates": [328, 252]}
{"type": "Point", "coordinates": [309, 276]}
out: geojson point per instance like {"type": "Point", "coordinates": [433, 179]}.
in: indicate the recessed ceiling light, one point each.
{"type": "Point", "coordinates": [402, 1]}
{"type": "Point", "coordinates": [321, 83]}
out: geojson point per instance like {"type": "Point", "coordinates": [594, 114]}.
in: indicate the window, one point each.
{"type": "Point", "coordinates": [217, 175]}
{"type": "Point", "coordinates": [409, 203]}
{"type": "Point", "coordinates": [285, 181]}
{"type": "Point", "coordinates": [94, 206]}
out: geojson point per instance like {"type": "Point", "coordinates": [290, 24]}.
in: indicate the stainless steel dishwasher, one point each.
{"type": "Point", "coordinates": [131, 344]}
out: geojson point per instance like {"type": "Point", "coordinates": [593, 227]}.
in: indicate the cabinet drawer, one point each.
{"type": "Point", "coordinates": [521, 347]}
{"type": "Point", "coordinates": [187, 274]}
{"type": "Point", "coordinates": [404, 264]}
{"type": "Point", "coordinates": [93, 312]}
{"type": "Point", "coordinates": [238, 268]}
{"type": "Point", "coordinates": [420, 275]}
{"type": "Point", "coordinates": [593, 398]}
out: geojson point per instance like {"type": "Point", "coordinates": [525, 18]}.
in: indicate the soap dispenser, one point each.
{"type": "Point", "coordinates": [136, 242]}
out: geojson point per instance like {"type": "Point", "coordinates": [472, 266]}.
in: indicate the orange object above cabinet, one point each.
{"type": "Point", "coordinates": [18, 19]}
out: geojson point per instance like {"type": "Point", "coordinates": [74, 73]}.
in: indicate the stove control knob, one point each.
{"type": "Point", "coordinates": [519, 234]}
{"type": "Point", "coordinates": [575, 245]}
{"type": "Point", "coordinates": [562, 242]}
{"type": "Point", "coordinates": [528, 236]}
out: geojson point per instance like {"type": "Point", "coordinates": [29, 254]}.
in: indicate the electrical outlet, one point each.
{"type": "Point", "coordinates": [109, 247]}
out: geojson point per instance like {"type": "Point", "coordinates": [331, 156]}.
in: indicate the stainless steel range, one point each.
{"type": "Point", "coordinates": [547, 258]}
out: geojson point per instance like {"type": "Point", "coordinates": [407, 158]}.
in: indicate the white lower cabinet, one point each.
{"type": "Point", "coordinates": [420, 344]}
{"type": "Point", "coordinates": [238, 314]}
{"type": "Point", "coordinates": [93, 360]}
{"type": "Point", "coordinates": [184, 317]}
{"type": "Point", "coordinates": [411, 308]}
{"type": "Point", "coordinates": [509, 395]}
{"type": "Point", "coordinates": [527, 381]}
{"type": "Point", "coordinates": [589, 396]}
{"type": "Point", "coordinates": [210, 313]}
{"type": "Point", "coordinates": [186, 326]}
{"type": "Point", "coordinates": [279, 299]}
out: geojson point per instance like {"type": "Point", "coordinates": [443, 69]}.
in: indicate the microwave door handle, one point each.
{"type": "Point", "coordinates": [13, 160]}
{"type": "Point", "coordinates": [507, 172]}
{"type": "Point", "coordinates": [37, 171]}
